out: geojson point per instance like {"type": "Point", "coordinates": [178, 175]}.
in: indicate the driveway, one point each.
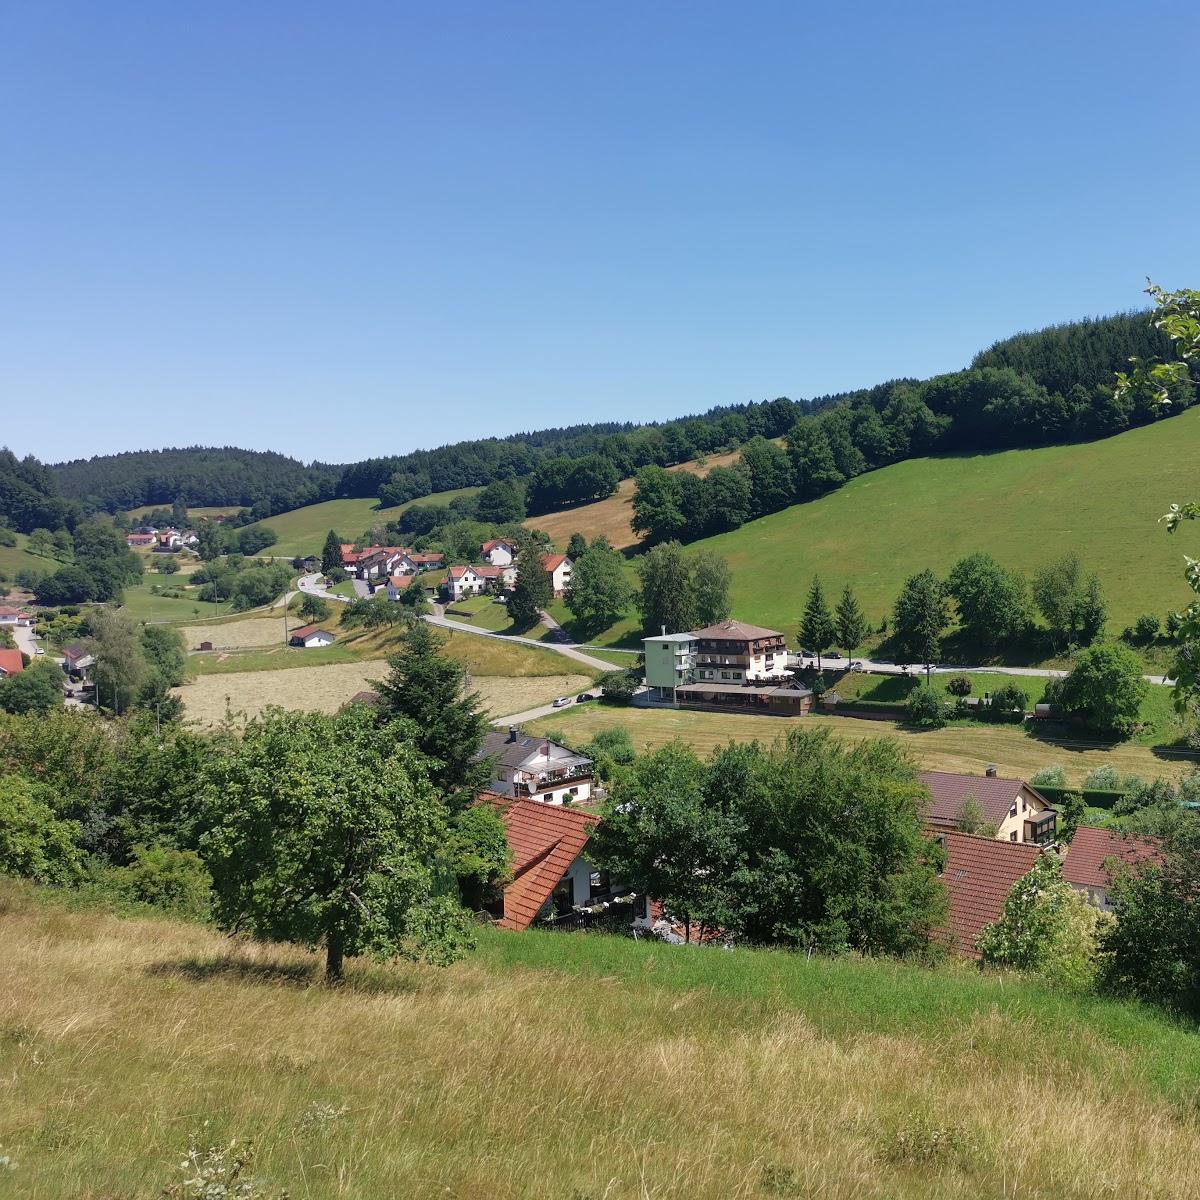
{"type": "Point", "coordinates": [312, 585]}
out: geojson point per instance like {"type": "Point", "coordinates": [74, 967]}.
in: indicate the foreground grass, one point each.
{"type": "Point", "coordinates": [572, 1066]}
{"type": "Point", "coordinates": [963, 747]}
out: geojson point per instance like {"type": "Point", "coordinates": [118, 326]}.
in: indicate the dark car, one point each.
{"type": "Point", "coordinates": [584, 696]}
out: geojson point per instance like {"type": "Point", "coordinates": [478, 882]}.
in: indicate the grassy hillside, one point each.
{"type": "Point", "coordinates": [303, 530]}
{"type": "Point", "coordinates": [569, 1066]}
{"type": "Point", "coordinates": [17, 558]}
{"type": "Point", "coordinates": [1099, 499]}
{"type": "Point", "coordinates": [959, 747]}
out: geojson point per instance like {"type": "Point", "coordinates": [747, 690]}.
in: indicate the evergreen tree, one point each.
{"type": "Point", "coordinates": [331, 555]}
{"type": "Point", "coordinates": [817, 631]}
{"type": "Point", "coordinates": [429, 689]}
{"type": "Point", "coordinates": [851, 625]}
{"type": "Point", "coordinates": [920, 618]}
{"type": "Point", "coordinates": [533, 589]}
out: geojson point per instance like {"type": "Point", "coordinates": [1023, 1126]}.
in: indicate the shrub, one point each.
{"type": "Point", "coordinates": [1145, 629]}
{"type": "Point", "coordinates": [959, 685]}
{"type": "Point", "coordinates": [34, 843]}
{"type": "Point", "coordinates": [619, 687]}
{"type": "Point", "coordinates": [1050, 777]}
{"type": "Point", "coordinates": [1009, 703]}
{"type": "Point", "coordinates": [1174, 623]}
{"type": "Point", "coordinates": [925, 707]}
{"type": "Point", "coordinates": [175, 880]}
{"type": "Point", "coordinates": [1105, 690]}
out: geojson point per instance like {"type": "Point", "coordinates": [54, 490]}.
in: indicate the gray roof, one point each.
{"type": "Point", "coordinates": [773, 690]}
{"type": "Point", "coordinates": [515, 754]}
{"type": "Point", "coordinates": [671, 637]}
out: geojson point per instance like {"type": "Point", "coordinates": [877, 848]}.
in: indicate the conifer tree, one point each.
{"type": "Point", "coordinates": [851, 624]}
{"type": "Point", "coordinates": [331, 555]}
{"type": "Point", "coordinates": [817, 631]}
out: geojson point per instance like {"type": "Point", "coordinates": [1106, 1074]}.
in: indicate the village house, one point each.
{"type": "Point", "coordinates": [308, 636]}
{"type": "Point", "coordinates": [397, 585]}
{"type": "Point", "coordinates": [1019, 812]}
{"type": "Point", "coordinates": [141, 541]}
{"type": "Point", "coordinates": [499, 552]}
{"type": "Point", "coordinates": [169, 539]}
{"type": "Point", "coordinates": [378, 562]}
{"type": "Point", "coordinates": [734, 652]}
{"type": "Point", "coordinates": [14, 616]}
{"type": "Point", "coordinates": [1096, 855]}
{"type": "Point", "coordinates": [537, 768]}
{"type": "Point", "coordinates": [553, 881]}
{"type": "Point", "coordinates": [463, 581]}
{"type": "Point", "coordinates": [558, 567]}
{"type": "Point", "coordinates": [11, 662]}
{"type": "Point", "coordinates": [78, 660]}
{"type": "Point", "coordinates": [431, 561]}
{"type": "Point", "coordinates": [978, 876]}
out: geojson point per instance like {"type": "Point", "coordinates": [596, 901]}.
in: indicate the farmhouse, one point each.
{"type": "Point", "coordinates": [552, 879]}
{"type": "Point", "coordinates": [78, 660]}
{"type": "Point", "coordinates": [499, 552]}
{"type": "Point", "coordinates": [428, 562]}
{"type": "Point", "coordinates": [463, 581]}
{"type": "Point", "coordinates": [1019, 812]}
{"type": "Point", "coordinates": [308, 636]}
{"type": "Point", "coordinates": [978, 876]}
{"type": "Point", "coordinates": [397, 585]}
{"type": "Point", "coordinates": [558, 567]}
{"type": "Point", "coordinates": [1096, 855]}
{"type": "Point", "coordinates": [537, 768]}
{"type": "Point", "coordinates": [141, 541]}
{"type": "Point", "coordinates": [14, 616]}
{"type": "Point", "coordinates": [11, 663]}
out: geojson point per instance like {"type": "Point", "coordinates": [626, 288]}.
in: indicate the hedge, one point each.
{"type": "Point", "coordinates": [1092, 797]}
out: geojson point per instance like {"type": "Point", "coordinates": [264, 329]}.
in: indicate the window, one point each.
{"type": "Point", "coordinates": [1012, 837]}
{"type": "Point", "coordinates": [724, 674]}
{"type": "Point", "coordinates": [1012, 812]}
{"type": "Point", "coordinates": [597, 883]}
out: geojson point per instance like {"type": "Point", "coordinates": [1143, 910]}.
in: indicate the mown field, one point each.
{"type": "Point", "coordinates": [967, 748]}
{"type": "Point", "coordinates": [17, 558]}
{"type": "Point", "coordinates": [218, 510]}
{"type": "Point", "coordinates": [574, 1066]}
{"type": "Point", "coordinates": [303, 531]}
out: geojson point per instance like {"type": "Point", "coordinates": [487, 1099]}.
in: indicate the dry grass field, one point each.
{"type": "Point", "coordinates": [237, 635]}
{"type": "Point", "coordinates": [968, 749]}
{"type": "Point", "coordinates": [326, 688]}
{"type": "Point", "coordinates": [572, 1066]}
{"type": "Point", "coordinates": [611, 517]}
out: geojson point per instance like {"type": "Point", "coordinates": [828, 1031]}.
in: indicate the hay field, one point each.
{"type": "Point", "coordinates": [327, 688]}
{"type": "Point", "coordinates": [237, 635]}
{"type": "Point", "coordinates": [968, 748]}
{"type": "Point", "coordinates": [569, 1066]}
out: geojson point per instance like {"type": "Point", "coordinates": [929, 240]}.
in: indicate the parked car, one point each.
{"type": "Point", "coordinates": [38, 650]}
{"type": "Point", "coordinates": [856, 666]}
{"type": "Point", "coordinates": [584, 696]}
{"type": "Point", "coordinates": [562, 702]}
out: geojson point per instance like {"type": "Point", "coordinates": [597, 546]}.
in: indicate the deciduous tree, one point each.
{"type": "Point", "coordinates": [599, 593]}
{"type": "Point", "coordinates": [920, 618]}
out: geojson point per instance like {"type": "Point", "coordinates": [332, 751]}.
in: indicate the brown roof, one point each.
{"type": "Point", "coordinates": [551, 562]}
{"type": "Point", "coordinates": [11, 662]}
{"type": "Point", "coordinates": [979, 874]}
{"type": "Point", "coordinates": [735, 631]}
{"type": "Point", "coordinates": [487, 572]}
{"type": "Point", "coordinates": [492, 543]}
{"type": "Point", "coordinates": [426, 558]}
{"type": "Point", "coordinates": [545, 840]}
{"type": "Point", "coordinates": [1084, 863]}
{"type": "Point", "coordinates": [994, 795]}
{"type": "Point", "coordinates": [307, 631]}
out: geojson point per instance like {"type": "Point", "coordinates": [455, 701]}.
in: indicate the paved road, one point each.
{"type": "Point", "coordinates": [835, 662]}
{"type": "Point", "coordinates": [595, 664]}
{"type": "Point", "coordinates": [311, 585]}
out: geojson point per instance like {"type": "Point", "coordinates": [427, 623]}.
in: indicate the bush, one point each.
{"type": "Point", "coordinates": [619, 687]}
{"type": "Point", "coordinates": [959, 685]}
{"type": "Point", "coordinates": [1050, 777]}
{"type": "Point", "coordinates": [34, 843]}
{"type": "Point", "coordinates": [175, 880]}
{"type": "Point", "coordinates": [925, 707]}
{"type": "Point", "coordinates": [1145, 629]}
{"type": "Point", "coordinates": [1009, 703]}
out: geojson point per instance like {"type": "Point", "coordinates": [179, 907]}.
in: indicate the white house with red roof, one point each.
{"type": "Point", "coordinates": [1019, 812]}
{"type": "Point", "coordinates": [1096, 856]}
{"type": "Point", "coordinates": [14, 616]}
{"type": "Point", "coordinates": [141, 541]}
{"type": "Point", "coordinates": [498, 552]}
{"type": "Point", "coordinates": [11, 662]}
{"type": "Point", "coordinates": [558, 567]}
{"type": "Point", "coordinates": [308, 636]}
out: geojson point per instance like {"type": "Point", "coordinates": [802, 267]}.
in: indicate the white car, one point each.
{"type": "Point", "coordinates": [38, 650]}
{"type": "Point", "coordinates": [562, 702]}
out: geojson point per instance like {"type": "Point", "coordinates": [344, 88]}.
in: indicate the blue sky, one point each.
{"type": "Point", "coordinates": [353, 229]}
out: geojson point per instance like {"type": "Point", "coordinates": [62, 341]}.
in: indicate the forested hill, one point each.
{"type": "Point", "coordinates": [1031, 389]}
{"type": "Point", "coordinates": [200, 475]}
{"type": "Point", "coordinates": [1079, 353]}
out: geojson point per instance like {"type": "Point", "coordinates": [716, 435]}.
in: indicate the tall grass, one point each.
{"type": "Point", "coordinates": [554, 1065]}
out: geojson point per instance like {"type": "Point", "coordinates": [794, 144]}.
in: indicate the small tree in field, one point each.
{"type": "Point", "coordinates": [326, 831]}
{"type": "Point", "coordinates": [314, 608]}
{"type": "Point", "coordinates": [959, 685]}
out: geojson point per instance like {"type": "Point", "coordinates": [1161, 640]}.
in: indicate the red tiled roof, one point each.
{"type": "Point", "coordinates": [11, 662]}
{"type": "Point", "coordinates": [994, 795]}
{"type": "Point", "coordinates": [398, 581]}
{"type": "Point", "coordinates": [306, 631]}
{"type": "Point", "coordinates": [486, 572]}
{"type": "Point", "coordinates": [551, 562]}
{"type": "Point", "coordinates": [458, 572]}
{"type": "Point", "coordinates": [979, 874]}
{"type": "Point", "coordinates": [6, 610]}
{"type": "Point", "coordinates": [1084, 862]}
{"type": "Point", "coordinates": [427, 558]}
{"type": "Point", "coordinates": [545, 840]}
{"type": "Point", "coordinates": [493, 543]}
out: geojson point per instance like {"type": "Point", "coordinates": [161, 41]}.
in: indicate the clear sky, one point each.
{"type": "Point", "coordinates": [341, 230]}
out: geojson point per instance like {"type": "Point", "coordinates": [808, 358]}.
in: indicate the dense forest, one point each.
{"type": "Point", "coordinates": [1031, 389]}
{"type": "Point", "coordinates": [260, 480]}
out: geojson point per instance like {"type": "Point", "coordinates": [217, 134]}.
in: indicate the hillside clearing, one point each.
{"type": "Point", "coordinates": [966, 748]}
{"type": "Point", "coordinates": [303, 530]}
{"type": "Point", "coordinates": [238, 635]}
{"type": "Point", "coordinates": [326, 688]}
{"type": "Point", "coordinates": [674, 1073]}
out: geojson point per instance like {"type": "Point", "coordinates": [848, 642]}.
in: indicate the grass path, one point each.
{"type": "Point", "coordinates": [569, 1066]}
{"type": "Point", "coordinates": [965, 748]}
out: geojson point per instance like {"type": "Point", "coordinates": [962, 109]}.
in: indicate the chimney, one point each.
{"type": "Point", "coordinates": [513, 733]}
{"type": "Point", "coordinates": [991, 771]}
{"type": "Point", "coordinates": [664, 631]}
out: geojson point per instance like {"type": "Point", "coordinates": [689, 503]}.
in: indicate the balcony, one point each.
{"type": "Point", "coordinates": [1042, 828]}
